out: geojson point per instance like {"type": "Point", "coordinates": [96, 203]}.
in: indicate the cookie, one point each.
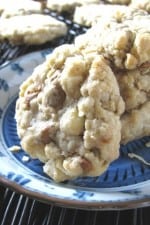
{"type": "Point", "coordinates": [144, 4]}
{"type": "Point", "coordinates": [67, 6]}
{"type": "Point", "coordinates": [123, 2]}
{"type": "Point", "coordinates": [31, 29]}
{"type": "Point", "coordinates": [126, 44]}
{"type": "Point", "coordinates": [68, 114]}
{"type": "Point", "coordinates": [134, 86]}
{"type": "Point", "coordinates": [100, 12]}
{"type": "Point", "coordinates": [135, 90]}
{"type": "Point", "coordinates": [136, 124]}
{"type": "Point", "coordinates": [11, 8]}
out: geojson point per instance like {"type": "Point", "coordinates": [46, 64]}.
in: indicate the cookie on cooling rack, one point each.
{"type": "Point", "coordinates": [9, 8]}
{"type": "Point", "coordinates": [67, 6]}
{"type": "Point", "coordinates": [110, 12]}
{"type": "Point", "coordinates": [68, 114]}
{"type": "Point", "coordinates": [31, 29]}
{"type": "Point", "coordinates": [89, 15]}
{"type": "Point", "coordinates": [144, 4]}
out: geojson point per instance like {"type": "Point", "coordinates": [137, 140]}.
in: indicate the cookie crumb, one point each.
{"type": "Point", "coordinates": [25, 158]}
{"type": "Point", "coordinates": [133, 155]}
{"type": "Point", "coordinates": [147, 144]}
{"type": "Point", "coordinates": [14, 148]}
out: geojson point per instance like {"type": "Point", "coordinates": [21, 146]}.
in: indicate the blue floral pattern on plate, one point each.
{"type": "Point", "coordinates": [126, 183]}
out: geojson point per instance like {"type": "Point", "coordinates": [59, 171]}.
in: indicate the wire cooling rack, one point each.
{"type": "Point", "coordinates": [16, 209]}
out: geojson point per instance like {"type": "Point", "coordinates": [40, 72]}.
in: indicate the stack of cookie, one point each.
{"type": "Point", "coordinates": [88, 97]}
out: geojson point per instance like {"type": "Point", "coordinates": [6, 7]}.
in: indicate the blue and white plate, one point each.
{"type": "Point", "coordinates": [126, 183]}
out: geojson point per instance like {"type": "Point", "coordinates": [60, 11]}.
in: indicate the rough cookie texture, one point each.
{"type": "Point", "coordinates": [117, 13]}
{"type": "Point", "coordinates": [9, 8]}
{"type": "Point", "coordinates": [135, 86]}
{"type": "Point", "coordinates": [65, 5]}
{"type": "Point", "coordinates": [68, 114]}
{"type": "Point", "coordinates": [31, 29]}
{"type": "Point", "coordinates": [136, 123]}
{"type": "Point", "coordinates": [126, 45]}
{"type": "Point", "coordinates": [141, 4]}
{"type": "Point", "coordinates": [127, 48]}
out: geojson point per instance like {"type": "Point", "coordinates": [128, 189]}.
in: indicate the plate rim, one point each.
{"type": "Point", "coordinates": [128, 204]}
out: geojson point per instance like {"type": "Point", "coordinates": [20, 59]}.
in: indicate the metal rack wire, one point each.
{"type": "Point", "coordinates": [16, 209]}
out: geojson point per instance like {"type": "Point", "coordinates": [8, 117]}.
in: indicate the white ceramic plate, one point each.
{"type": "Point", "coordinates": [126, 183]}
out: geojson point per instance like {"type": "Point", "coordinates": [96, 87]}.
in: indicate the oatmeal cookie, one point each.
{"type": "Point", "coordinates": [141, 4]}
{"type": "Point", "coordinates": [89, 15]}
{"type": "Point", "coordinates": [136, 124]}
{"type": "Point", "coordinates": [126, 44]}
{"type": "Point", "coordinates": [9, 8]}
{"type": "Point", "coordinates": [67, 6]}
{"type": "Point", "coordinates": [31, 29]}
{"type": "Point", "coordinates": [68, 114]}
